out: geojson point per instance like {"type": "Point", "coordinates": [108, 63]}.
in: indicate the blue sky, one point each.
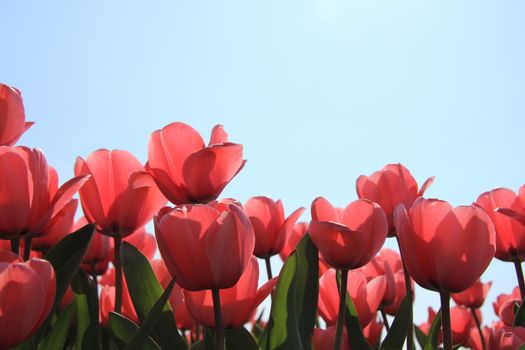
{"type": "Point", "coordinates": [317, 91]}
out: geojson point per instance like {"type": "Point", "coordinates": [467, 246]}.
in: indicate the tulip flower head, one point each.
{"type": "Point", "coordinates": [12, 115]}
{"type": "Point", "coordinates": [187, 171]}
{"type": "Point", "coordinates": [474, 296]}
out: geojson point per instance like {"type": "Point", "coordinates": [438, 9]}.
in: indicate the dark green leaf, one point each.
{"type": "Point", "coordinates": [307, 288]}
{"type": "Point", "coordinates": [87, 315]}
{"type": "Point", "coordinates": [353, 327]}
{"type": "Point", "coordinates": [433, 334]}
{"type": "Point", "coordinates": [57, 336]}
{"type": "Point", "coordinates": [282, 331]}
{"type": "Point", "coordinates": [151, 320]}
{"type": "Point", "coordinates": [122, 329]}
{"type": "Point", "coordinates": [145, 290]}
{"type": "Point", "coordinates": [239, 339]}
{"type": "Point", "coordinates": [398, 331]}
{"type": "Point", "coordinates": [206, 343]}
{"type": "Point", "coordinates": [420, 336]}
{"type": "Point", "coordinates": [519, 316]}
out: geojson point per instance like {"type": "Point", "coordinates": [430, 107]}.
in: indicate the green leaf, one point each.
{"type": "Point", "coordinates": [398, 331]}
{"type": "Point", "coordinates": [433, 334]}
{"type": "Point", "coordinates": [207, 343]}
{"type": "Point", "coordinates": [239, 339]}
{"type": "Point", "coordinates": [420, 336]}
{"type": "Point", "coordinates": [87, 315]}
{"type": "Point", "coordinates": [57, 336]}
{"type": "Point", "coordinates": [307, 288]}
{"type": "Point", "coordinates": [122, 329]}
{"type": "Point", "coordinates": [151, 320]}
{"type": "Point", "coordinates": [282, 331]}
{"type": "Point", "coordinates": [356, 337]}
{"type": "Point", "coordinates": [66, 257]}
{"type": "Point", "coordinates": [145, 290]}
{"type": "Point", "coordinates": [519, 316]}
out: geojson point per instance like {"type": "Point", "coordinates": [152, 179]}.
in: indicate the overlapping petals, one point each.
{"type": "Point", "coordinates": [474, 296]}
{"type": "Point", "coordinates": [12, 115]}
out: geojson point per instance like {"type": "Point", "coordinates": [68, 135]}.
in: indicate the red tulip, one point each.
{"type": "Point", "coordinates": [120, 196]}
{"type": "Point", "coordinates": [379, 267]}
{"type": "Point", "coordinates": [107, 303]}
{"type": "Point", "coordinates": [28, 292]}
{"type": "Point", "coordinates": [176, 299]}
{"type": "Point", "coordinates": [205, 246]}
{"type": "Point", "coordinates": [366, 296]}
{"type": "Point", "coordinates": [372, 332]}
{"type": "Point", "coordinates": [238, 303]}
{"type": "Point", "coordinates": [188, 172]}
{"type": "Point", "coordinates": [474, 339]}
{"type": "Point", "coordinates": [461, 323]}
{"type": "Point", "coordinates": [389, 187]}
{"type": "Point", "coordinates": [445, 248]}
{"type": "Point", "coordinates": [29, 192]}
{"type": "Point", "coordinates": [144, 242]}
{"type": "Point", "coordinates": [269, 224]}
{"type": "Point", "coordinates": [60, 226]}
{"type": "Point", "coordinates": [399, 278]}
{"type": "Point", "coordinates": [505, 304]}
{"type": "Point", "coordinates": [507, 338]}
{"type": "Point", "coordinates": [474, 296]}
{"type": "Point", "coordinates": [348, 238]}
{"type": "Point", "coordinates": [324, 339]}
{"type": "Point", "coordinates": [12, 115]}
{"type": "Point", "coordinates": [510, 233]}
{"type": "Point", "coordinates": [293, 238]}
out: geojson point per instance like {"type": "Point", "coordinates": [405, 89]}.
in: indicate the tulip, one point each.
{"type": "Point", "coordinates": [60, 227]}
{"type": "Point", "coordinates": [270, 226]}
{"type": "Point", "coordinates": [188, 172]}
{"type": "Point", "coordinates": [206, 247]}
{"type": "Point", "coordinates": [120, 197]}
{"type": "Point", "coordinates": [505, 304]}
{"type": "Point", "coordinates": [33, 284]}
{"type": "Point", "coordinates": [144, 242]}
{"type": "Point", "coordinates": [399, 278]}
{"type": "Point", "coordinates": [324, 339]}
{"type": "Point", "coordinates": [12, 115]}
{"type": "Point", "coordinates": [372, 333]}
{"type": "Point", "coordinates": [293, 238]}
{"type": "Point", "coordinates": [107, 303]}
{"type": "Point", "coordinates": [389, 187]}
{"type": "Point", "coordinates": [238, 303]}
{"type": "Point", "coordinates": [477, 340]}
{"type": "Point", "coordinates": [425, 235]}
{"type": "Point", "coordinates": [461, 323]}
{"type": "Point", "coordinates": [366, 296]}
{"type": "Point", "coordinates": [507, 338]}
{"type": "Point", "coordinates": [178, 305]}
{"type": "Point", "coordinates": [30, 197]}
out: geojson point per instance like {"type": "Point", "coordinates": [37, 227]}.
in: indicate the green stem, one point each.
{"type": "Point", "coordinates": [27, 248]}
{"type": "Point", "coordinates": [519, 275]}
{"type": "Point", "coordinates": [268, 267]}
{"type": "Point", "coordinates": [342, 309]}
{"type": "Point", "coordinates": [408, 291]}
{"type": "Point", "coordinates": [219, 330]}
{"type": "Point", "coordinates": [478, 324]}
{"type": "Point", "coordinates": [118, 275]}
{"type": "Point", "coordinates": [445, 313]}
{"type": "Point", "coordinates": [385, 320]}
{"type": "Point", "coordinates": [15, 245]}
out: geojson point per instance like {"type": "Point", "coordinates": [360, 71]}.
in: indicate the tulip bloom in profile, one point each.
{"type": "Point", "coordinates": [291, 241]}
{"type": "Point", "coordinates": [187, 171]}
{"type": "Point", "coordinates": [366, 296]}
{"type": "Point", "coordinates": [507, 338]}
{"type": "Point", "coordinates": [425, 234]}
{"type": "Point", "coordinates": [461, 323]}
{"type": "Point", "coordinates": [60, 227]}
{"type": "Point", "coordinates": [28, 292]}
{"type": "Point", "coordinates": [348, 238]}
{"type": "Point", "coordinates": [372, 333]}
{"type": "Point", "coordinates": [324, 339]}
{"type": "Point", "coordinates": [30, 196]}
{"type": "Point", "coordinates": [238, 303]}
{"type": "Point", "coordinates": [391, 186]}
{"type": "Point", "coordinates": [504, 306]}
{"type": "Point", "coordinates": [474, 296]}
{"type": "Point", "coordinates": [12, 115]}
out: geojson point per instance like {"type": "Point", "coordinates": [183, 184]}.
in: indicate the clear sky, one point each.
{"type": "Point", "coordinates": [317, 91]}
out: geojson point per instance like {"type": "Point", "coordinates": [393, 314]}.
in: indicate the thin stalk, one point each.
{"type": "Point", "coordinates": [15, 245]}
{"type": "Point", "coordinates": [342, 309]}
{"type": "Point", "coordinates": [268, 267]}
{"type": "Point", "coordinates": [94, 275]}
{"type": "Point", "coordinates": [27, 248]}
{"type": "Point", "coordinates": [385, 320]}
{"type": "Point", "coordinates": [519, 275]}
{"type": "Point", "coordinates": [118, 275]}
{"type": "Point", "coordinates": [478, 324]}
{"type": "Point", "coordinates": [219, 329]}
{"type": "Point", "coordinates": [408, 291]}
{"type": "Point", "coordinates": [445, 313]}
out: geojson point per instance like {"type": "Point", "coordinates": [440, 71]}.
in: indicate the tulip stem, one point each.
{"type": "Point", "coordinates": [445, 314]}
{"type": "Point", "coordinates": [219, 330]}
{"type": "Point", "coordinates": [268, 267]}
{"type": "Point", "coordinates": [94, 275]}
{"type": "Point", "coordinates": [519, 275]}
{"type": "Point", "coordinates": [342, 309]}
{"type": "Point", "coordinates": [15, 245]}
{"type": "Point", "coordinates": [118, 274]}
{"type": "Point", "coordinates": [408, 291]}
{"type": "Point", "coordinates": [385, 320]}
{"type": "Point", "coordinates": [27, 248]}
{"type": "Point", "coordinates": [478, 325]}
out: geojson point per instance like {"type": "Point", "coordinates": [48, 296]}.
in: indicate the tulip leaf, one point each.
{"type": "Point", "coordinates": [356, 337]}
{"type": "Point", "coordinates": [66, 257]}
{"type": "Point", "coordinates": [145, 290]}
{"type": "Point", "coordinates": [239, 339]}
{"type": "Point", "coordinates": [151, 319]}
{"type": "Point", "coordinates": [307, 288]}
{"type": "Point", "coordinates": [56, 338]}
{"type": "Point", "coordinates": [122, 329]}
{"type": "Point", "coordinates": [420, 336]}
{"type": "Point", "coordinates": [87, 314]}
{"type": "Point", "coordinates": [519, 316]}
{"type": "Point", "coordinates": [206, 343]}
{"type": "Point", "coordinates": [433, 334]}
{"type": "Point", "coordinates": [398, 331]}
{"type": "Point", "coordinates": [282, 331]}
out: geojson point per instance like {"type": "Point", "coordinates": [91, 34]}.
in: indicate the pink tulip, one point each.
{"type": "Point", "coordinates": [12, 115]}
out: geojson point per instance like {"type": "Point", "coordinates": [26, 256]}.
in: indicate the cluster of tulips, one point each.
{"type": "Point", "coordinates": [95, 282]}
